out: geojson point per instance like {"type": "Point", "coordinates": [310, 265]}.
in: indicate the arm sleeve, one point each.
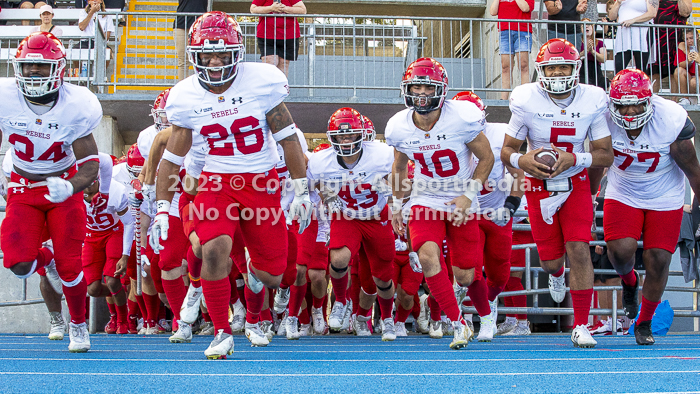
{"type": "Point", "coordinates": [688, 130]}
{"type": "Point", "coordinates": [105, 172]}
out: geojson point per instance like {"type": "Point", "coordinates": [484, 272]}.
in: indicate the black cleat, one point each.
{"type": "Point", "coordinates": [630, 299]}
{"type": "Point", "coordinates": [642, 333]}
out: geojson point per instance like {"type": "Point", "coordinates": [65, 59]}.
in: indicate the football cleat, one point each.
{"type": "Point", "coordinates": [507, 326]}
{"type": "Point", "coordinates": [400, 329]}
{"type": "Point", "coordinates": [557, 288]}
{"type": "Point", "coordinates": [255, 335]}
{"type": "Point", "coordinates": [282, 329]}
{"type": "Point", "coordinates": [207, 328]}
{"type": "Point", "coordinates": [111, 327]}
{"type": "Point", "coordinates": [462, 333]}
{"type": "Point", "coordinates": [79, 338]}
{"type": "Point", "coordinates": [292, 328]}
{"type": "Point", "coordinates": [346, 318]}
{"type": "Point", "coordinates": [435, 330]}
{"type": "Point", "coordinates": [388, 330]}
{"type": "Point", "coordinates": [643, 334]}
{"type": "Point", "coordinates": [424, 316]}
{"type": "Point", "coordinates": [360, 326]}
{"type": "Point", "coordinates": [266, 327]}
{"type": "Point", "coordinates": [190, 308]}
{"type": "Point", "coordinates": [521, 329]}
{"type": "Point", "coordinates": [58, 326]}
{"type": "Point", "coordinates": [281, 300]}
{"type": "Point", "coordinates": [305, 330]}
{"type": "Point", "coordinates": [446, 325]}
{"type": "Point", "coordinates": [487, 330]}
{"type": "Point", "coordinates": [581, 337]}
{"type": "Point", "coordinates": [335, 320]}
{"type": "Point", "coordinates": [320, 326]}
{"type": "Point", "coordinates": [238, 320]}
{"type": "Point", "coordinates": [183, 333]}
{"type": "Point", "coordinates": [220, 347]}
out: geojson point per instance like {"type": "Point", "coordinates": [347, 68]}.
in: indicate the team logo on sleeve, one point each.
{"type": "Point", "coordinates": [222, 99]}
{"type": "Point", "coordinates": [38, 121]}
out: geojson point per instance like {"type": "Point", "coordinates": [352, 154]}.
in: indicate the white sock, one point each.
{"type": "Point", "coordinates": [468, 317]}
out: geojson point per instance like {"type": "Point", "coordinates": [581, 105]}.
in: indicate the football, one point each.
{"type": "Point", "coordinates": [547, 158]}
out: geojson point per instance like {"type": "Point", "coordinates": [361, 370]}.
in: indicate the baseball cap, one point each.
{"type": "Point", "coordinates": [45, 8]}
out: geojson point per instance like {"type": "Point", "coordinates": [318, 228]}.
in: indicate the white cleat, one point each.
{"type": "Point", "coordinates": [581, 337]}
{"type": "Point", "coordinates": [305, 330]}
{"type": "Point", "coordinates": [522, 329]}
{"type": "Point", "coordinates": [266, 327]}
{"type": "Point", "coordinates": [238, 319]}
{"type": "Point", "coordinates": [388, 330]}
{"type": "Point", "coordinates": [58, 326]}
{"type": "Point", "coordinates": [557, 288]}
{"type": "Point", "coordinates": [255, 335]}
{"type": "Point", "coordinates": [320, 326]}
{"type": "Point", "coordinates": [79, 338]}
{"type": "Point", "coordinates": [435, 330]}
{"type": "Point", "coordinates": [400, 329]}
{"type": "Point", "coordinates": [254, 284]}
{"type": "Point", "coordinates": [282, 329]}
{"type": "Point", "coordinates": [292, 328]}
{"type": "Point", "coordinates": [53, 277]}
{"type": "Point", "coordinates": [462, 333]}
{"type": "Point", "coordinates": [460, 293]}
{"type": "Point", "coordinates": [446, 325]}
{"type": "Point", "coordinates": [335, 320]}
{"type": "Point", "coordinates": [360, 326]}
{"type": "Point", "coordinates": [424, 316]}
{"type": "Point", "coordinates": [488, 328]}
{"type": "Point", "coordinates": [220, 347]}
{"type": "Point", "coordinates": [346, 318]}
{"type": "Point", "coordinates": [190, 308]}
{"type": "Point", "coordinates": [183, 333]}
{"type": "Point", "coordinates": [507, 326]}
{"type": "Point", "coordinates": [281, 300]}
{"type": "Point", "coordinates": [206, 329]}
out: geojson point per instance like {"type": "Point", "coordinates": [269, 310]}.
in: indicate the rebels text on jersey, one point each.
{"type": "Point", "coordinates": [233, 123]}
{"type": "Point", "coordinates": [644, 175]}
{"type": "Point", "coordinates": [354, 186]}
{"type": "Point", "coordinates": [496, 189]}
{"type": "Point", "coordinates": [42, 144]}
{"type": "Point", "coordinates": [443, 161]}
{"type": "Point", "coordinates": [118, 201]}
{"type": "Point", "coordinates": [537, 119]}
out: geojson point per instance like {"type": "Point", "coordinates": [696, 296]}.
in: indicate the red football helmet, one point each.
{"type": "Point", "coordinates": [557, 51]}
{"type": "Point", "coordinates": [115, 161]}
{"type": "Point", "coordinates": [471, 97]}
{"type": "Point", "coordinates": [158, 110]}
{"type": "Point", "coordinates": [321, 147]}
{"type": "Point", "coordinates": [42, 48]}
{"type": "Point", "coordinates": [215, 32]}
{"type": "Point", "coordinates": [134, 161]}
{"type": "Point", "coordinates": [411, 169]}
{"type": "Point", "coordinates": [424, 71]}
{"type": "Point", "coordinates": [346, 122]}
{"type": "Point", "coordinates": [631, 87]}
{"type": "Point", "coordinates": [370, 132]}
{"type": "Point", "coordinates": [120, 160]}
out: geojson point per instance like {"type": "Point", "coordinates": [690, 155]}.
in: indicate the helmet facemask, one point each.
{"type": "Point", "coordinates": [346, 148]}
{"type": "Point", "coordinates": [423, 104]}
{"type": "Point", "coordinates": [38, 86]}
{"type": "Point", "coordinates": [631, 122]}
{"type": "Point", "coordinates": [559, 84]}
{"type": "Point", "coordinates": [228, 71]}
{"type": "Point", "coordinates": [160, 118]}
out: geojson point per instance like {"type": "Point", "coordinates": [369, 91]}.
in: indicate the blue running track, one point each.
{"type": "Point", "coordinates": [345, 364]}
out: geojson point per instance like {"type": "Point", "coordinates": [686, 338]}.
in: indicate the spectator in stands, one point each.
{"type": "Point", "coordinates": [565, 10]}
{"type": "Point", "coordinates": [593, 53]}
{"type": "Point", "coordinates": [609, 31]}
{"type": "Point", "coordinates": [46, 14]}
{"type": "Point", "coordinates": [632, 43]}
{"type": "Point", "coordinates": [181, 26]}
{"type": "Point", "coordinates": [686, 62]}
{"type": "Point", "coordinates": [86, 23]}
{"type": "Point", "coordinates": [671, 12]}
{"type": "Point", "coordinates": [516, 39]}
{"type": "Point", "coordinates": [278, 37]}
{"type": "Point", "coordinates": [29, 4]}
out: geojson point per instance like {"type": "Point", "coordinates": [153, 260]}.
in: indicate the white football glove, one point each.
{"type": "Point", "coordinates": [160, 225]}
{"type": "Point", "coordinates": [301, 206]}
{"type": "Point", "coordinates": [148, 192]}
{"type": "Point", "coordinates": [500, 216]}
{"type": "Point", "coordinates": [400, 245]}
{"type": "Point", "coordinates": [59, 189]}
{"type": "Point", "coordinates": [333, 205]}
{"type": "Point", "coordinates": [415, 263]}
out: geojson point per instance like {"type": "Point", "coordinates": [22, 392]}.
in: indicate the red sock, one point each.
{"type": "Point", "coordinates": [217, 293]}
{"type": "Point", "coordinates": [355, 293]}
{"type": "Point", "coordinates": [43, 258]}
{"type": "Point", "coordinates": [386, 306]}
{"type": "Point", "coordinates": [176, 292]}
{"type": "Point", "coordinates": [133, 307]}
{"type": "Point", "coordinates": [304, 317]}
{"type": "Point", "coordinates": [194, 264]}
{"type": "Point", "coordinates": [581, 300]}
{"type": "Point", "coordinates": [441, 288]}
{"type": "Point", "coordinates": [478, 294]}
{"type": "Point", "coordinates": [648, 309]}
{"type": "Point", "coordinates": [206, 317]}
{"type": "Point", "coordinates": [234, 293]}
{"type": "Point", "coordinates": [364, 312]}
{"type": "Point", "coordinates": [254, 307]}
{"type": "Point", "coordinates": [516, 284]}
{"type": "Point", "coordinates": [296, 297]}
{"type": "Point", "coordinates": [560, 272]}
{"type": "Point", "coordinates": [75, 298]}
{"type": "Point", "coordinates": [266, 315]}
{"type": "Point", "coordinates": [112, 309]}
{"type": "Point", "coordinates": [630, 278]}
{"type": "Point", "coordinates": [324, 308]}
{"type": "Point", "coordinates": [401, 314]}
{"type": "Point", "coordinates": [152, 306]}
{"type": "Point", "coordinates": [435, 312]}
{"type": "Point", "coordinates": [415, 312]}
{"type": "Point", "coordinates": [493, 292]}
{"type": "Point", "coordinates": [340, 287]}
{"type": "Point", "coordinates": [508, 302]}
{"type": "Point", "coordinates": [142, 306]}
{"type": "Point", "coordinates": [318, 302]}
{"type": "Point", "coordinates": [161, 310]}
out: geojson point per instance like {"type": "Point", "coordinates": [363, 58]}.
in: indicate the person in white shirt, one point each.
{"type": "Point", "coordinates": [86, 23]}
{"type": "Point", "coordinates": [46, 15]}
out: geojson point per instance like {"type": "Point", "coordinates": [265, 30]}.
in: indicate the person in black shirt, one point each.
{"type": "Point", "coordinates": [181, 26]}
{"type": "Point", "coordinates": [565, 10]}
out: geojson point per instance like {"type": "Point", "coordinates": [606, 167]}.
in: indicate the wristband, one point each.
{"type": "Point", "coordinates": [474, 186]}
{"type": "Point", "coordinates": [173, 158]}
{"type": "Point", "coordinates": [583, 159]}
{"type": "Point", "coordinates": [285, 132]}
{"type": "Point", "coordinates": [163, 206]}
{"type": "Point", "coordinates": [396, 205]}
{"type": "Point", "coordinates": [514, 157]}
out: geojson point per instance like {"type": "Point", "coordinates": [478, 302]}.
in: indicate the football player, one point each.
{"type": "Point", "coordinates": [556, 113]}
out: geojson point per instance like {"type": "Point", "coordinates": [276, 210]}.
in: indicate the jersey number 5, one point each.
{"type": "Point", "coordinates": [558, 132]}
{"type": "Point", "coordinates": [24, 149]}
{"type": "Point", "coordinates": [240, 129]}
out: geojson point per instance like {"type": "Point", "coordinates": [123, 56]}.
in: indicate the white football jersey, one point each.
{"type": "Point", "coordinates": [118, 201]}
{"type": "Point", "coordinates": [283, 173]}
{"type": "Point", "coordinates": [195, 158]}
{"type": "Point", "coordinates": [495, 191]}
{"type": "Point", "coordinates": [537, 119]}
{"type": "Point", "coordinates": [644, 175]}
{"type": "Point", "coordinates": [443, 161]}
{"type": "Point", "coordinates": [42, 144]}
{"type": "Point", "coordinates": [145, 140]}
{"type": "Point", "coordinates": [7, 165]}
{"type": "Point", "coordinates": [233, 123]}
{"type": "Point", "coordinates": [354, 186]}
{"type": "Point", "coordinates": [121, 175]}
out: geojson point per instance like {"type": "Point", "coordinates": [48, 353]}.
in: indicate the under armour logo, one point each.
{"type": "Point", "coordinates": [582, 178]}
{"type": "Point", "coordinates": [442, 137]}
{"type": "Point", "coordinates": [644, 146]}
{"type": "Point", "coordinates": [53, 126]}
{"type": "Point", "coordinates": [362, 174]}
{"type": "Point", "coordinates": [18, 190]}
{"type": "Point", "coordinates": [575, 114]}
{"type": "Point", "coordinates": [537, 189]}
{"type": "Point", "coordinates": [384, 223]}
{"type": "Point", "coordinates": [240, 100]}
